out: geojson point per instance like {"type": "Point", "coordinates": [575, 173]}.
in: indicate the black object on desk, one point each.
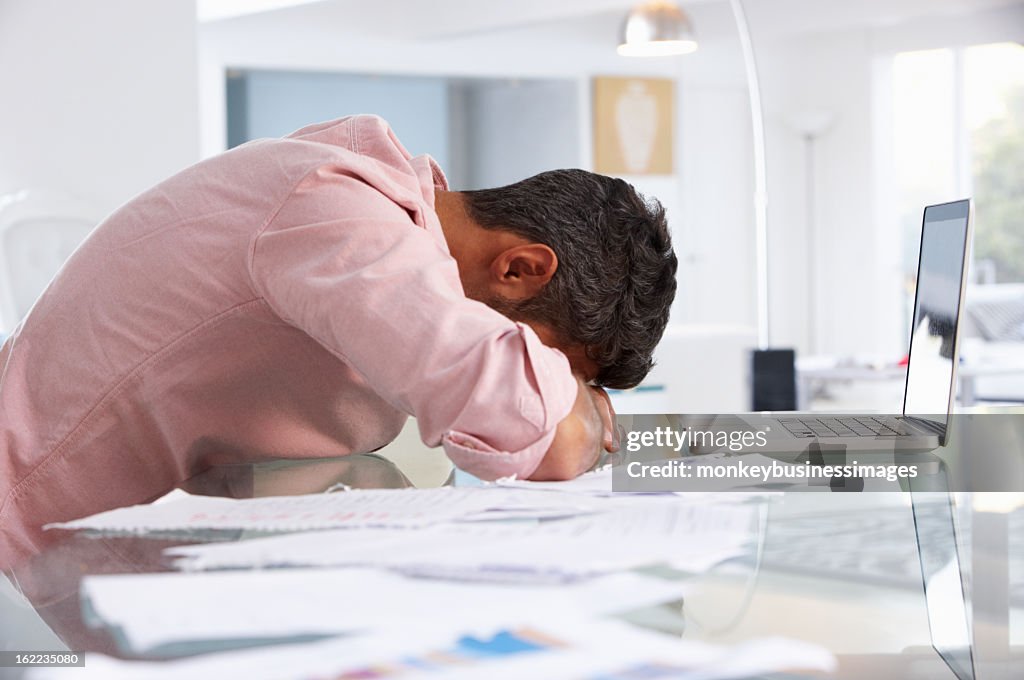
{"type": "Point", "coordinates": [774, 380]}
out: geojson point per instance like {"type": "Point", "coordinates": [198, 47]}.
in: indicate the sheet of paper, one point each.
{"type": "Point", "coordinates": [538, 647]}
{"type": "Point", "coordinates": [599, 483]}
{"type": "Point", "coordinates": [687, 536]}
{"type": "Point", "coordinates": [408, 508]}
{"type": "Point", "coordinates": [162, 613]}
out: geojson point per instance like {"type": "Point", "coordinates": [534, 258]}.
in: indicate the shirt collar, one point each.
{"type": "Point", "coordinates": [431, 177]}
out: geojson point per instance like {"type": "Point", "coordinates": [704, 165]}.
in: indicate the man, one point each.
{"type": "Point", "coordinates": [300, 297]}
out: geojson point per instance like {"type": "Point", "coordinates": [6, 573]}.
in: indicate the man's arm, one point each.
{"type": "Point", "coordinates": [347, 266]}
{"type": "Point", "coordinates": [580, 437]}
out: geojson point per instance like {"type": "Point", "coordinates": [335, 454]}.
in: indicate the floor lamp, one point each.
{"type": "Point", "coordinates": [773, 385]}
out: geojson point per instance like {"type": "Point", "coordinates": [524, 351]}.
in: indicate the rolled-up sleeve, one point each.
{"type": "Point", "coordinates": [350, 267]}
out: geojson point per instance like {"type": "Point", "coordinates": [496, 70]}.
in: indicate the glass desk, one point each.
{"type": "Point", "coordinates": [839, 570]}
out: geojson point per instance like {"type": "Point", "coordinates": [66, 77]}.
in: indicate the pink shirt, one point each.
{"type": "Point", "coordinates": [292, 298]}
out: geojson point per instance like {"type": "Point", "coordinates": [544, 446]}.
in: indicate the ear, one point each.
{"type": "Point", "coordinates": [520, 272]}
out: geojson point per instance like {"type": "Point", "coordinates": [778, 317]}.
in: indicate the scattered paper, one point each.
{"type": "Point", "coordinates": [167, 613]}
{"type": "Point", "coordinates": [685, 536]}
{"type": "Point", "coordinates": [405, 508]}
{"type": "Point", "coordinates": [534, 647]}
{"type": "Point", "coordinates": [172, 495]}
{"type": "Point", "coordinates": [599, 483]}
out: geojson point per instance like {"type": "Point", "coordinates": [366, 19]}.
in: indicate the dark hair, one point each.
{"type": "Point", "coordinates": [615, 279]}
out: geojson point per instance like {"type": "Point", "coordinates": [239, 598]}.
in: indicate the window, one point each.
{"type": "Point", "coordinates": [994, 118]}
{"type": "Point", "coordinates": [958, 122]}
{"type": "Point", "coordinates": [958, 130]}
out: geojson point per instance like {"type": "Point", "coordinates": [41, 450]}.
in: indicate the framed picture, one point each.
{"type": "Point", "coordinates": [633, 122]}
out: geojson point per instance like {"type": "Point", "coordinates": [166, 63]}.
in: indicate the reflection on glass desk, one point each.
{"type": "Point", "coordinates": [840, 570]}
{"type": "Point", "coordinates": [51, 579]}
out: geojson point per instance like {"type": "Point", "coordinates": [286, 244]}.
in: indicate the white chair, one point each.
{"type": "Point", "coordinates": [38, 232]}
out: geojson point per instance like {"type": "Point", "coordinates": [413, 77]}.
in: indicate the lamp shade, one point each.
{"type": "Point", "coordinates": [656, 29]}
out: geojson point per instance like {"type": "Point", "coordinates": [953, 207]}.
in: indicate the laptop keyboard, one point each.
{"type": "Point", "coordinates": [849, 426]}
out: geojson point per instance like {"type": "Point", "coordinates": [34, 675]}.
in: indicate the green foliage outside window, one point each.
{"type": "Point", "coordinates": [998, 171]}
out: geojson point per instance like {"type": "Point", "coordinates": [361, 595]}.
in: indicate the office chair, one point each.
{"type": "Point", "coordinates": [38, 231]}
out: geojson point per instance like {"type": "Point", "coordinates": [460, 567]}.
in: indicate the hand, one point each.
{"type": "Point", "coordinates": [611, 438]}
{"type": "Point", "coordinates": [581, 436]}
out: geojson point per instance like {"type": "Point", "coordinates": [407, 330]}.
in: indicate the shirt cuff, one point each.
{"type": "Point", "coordinates": [488, 463]}
{"type": "Point", "coordinates": [544, 406]}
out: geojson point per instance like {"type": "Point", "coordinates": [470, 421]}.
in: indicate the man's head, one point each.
{"type": "Point", "coordinates": [582, 256]}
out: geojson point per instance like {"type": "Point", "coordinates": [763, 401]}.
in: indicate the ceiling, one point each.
{"type": "Point", "coordinates": [415, 19]}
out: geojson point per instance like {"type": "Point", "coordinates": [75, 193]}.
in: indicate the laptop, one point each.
{"type": "Point", "coordinates": [930, 386]}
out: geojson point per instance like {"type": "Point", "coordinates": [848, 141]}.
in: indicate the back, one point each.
{"type": "Point", "coordinates": [137, 362]}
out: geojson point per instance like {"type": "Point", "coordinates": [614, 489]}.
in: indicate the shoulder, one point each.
{"type": "Point", "coordinates": [365, 133]}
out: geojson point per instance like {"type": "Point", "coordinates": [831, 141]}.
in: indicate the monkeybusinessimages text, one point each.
{"type": "Point", "coordinates": [693, 440]}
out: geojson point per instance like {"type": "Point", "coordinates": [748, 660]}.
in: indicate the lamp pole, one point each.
{"type": "Point", "coordinates": [760, 174]}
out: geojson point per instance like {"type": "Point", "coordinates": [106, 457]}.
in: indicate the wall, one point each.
{"type": "Point", "coordinates": [276, 103]}
{"type": "Point", "coordinates": [515, 129]}
{"type": "Point", "coordinates": [100, 98]}
{"type": "Point", "coordinates": [310, 38]}
{"type": "Point", "coordinates": [836, 286]}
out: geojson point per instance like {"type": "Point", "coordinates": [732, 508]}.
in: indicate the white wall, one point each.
{"type": "Point", "coordinates": [99, 97]}
{"type": "Point", "coordinates": [828, 75]}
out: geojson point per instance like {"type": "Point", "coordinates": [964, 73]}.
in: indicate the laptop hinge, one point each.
{"type": "Point", "coordinates": [930, 425]}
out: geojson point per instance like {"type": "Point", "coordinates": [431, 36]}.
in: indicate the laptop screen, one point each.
{"type": "Point", "coordinates": [933, 334]}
